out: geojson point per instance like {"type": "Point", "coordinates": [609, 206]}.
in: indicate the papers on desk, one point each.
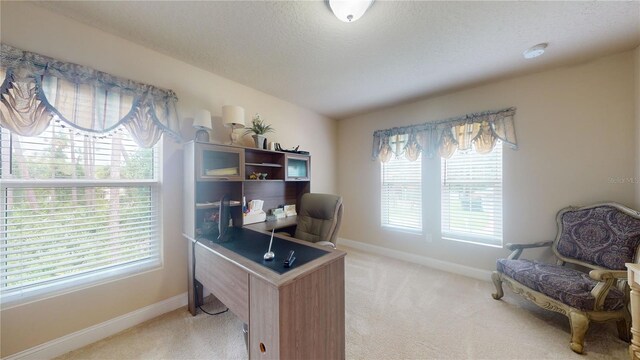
{"type": "Point", "coordinates": [255, 205]}
{"type": "Point", "coordinates": [290, 210]}
{"type": "Point", "coordinates": [223, 171]}
{"type": "Point", "coordinates": [278, 213]}
{"type": "Point", "coordinates": [255, 217]}
{"type": "Point", "coordinates": [255, 214]}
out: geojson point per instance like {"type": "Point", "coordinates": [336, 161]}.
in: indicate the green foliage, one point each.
{"type": "Point", "coordinates": [139, 165]}
{"type": "Point", "coordinates": [75, 225]}
{"type": "Point", "coordinates": [61, 231]}
{"type": "Point", "coordinates": [258, 126]}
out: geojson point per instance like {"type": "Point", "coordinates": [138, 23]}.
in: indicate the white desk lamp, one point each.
{"type": "Point", "coordinates": [233, 117]}
{"type": "Point", "coordinates": [202, 122]}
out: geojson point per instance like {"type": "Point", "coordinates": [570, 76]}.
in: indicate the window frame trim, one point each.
{"type": "Point", "coordinates": [449, 237]}
{"type": "Point", "coordinates": [65, 183]}
{"type": "Point", "coordinates": [474, 238]}
{"type": "Point", "coordinates": [395, 228]}
{"type": "Point", "coordinates": [101, 277]}
{"type": "Point", "coordinates": [402, 229]}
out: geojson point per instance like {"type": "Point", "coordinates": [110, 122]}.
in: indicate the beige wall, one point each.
{"type": "Point", "coordinates": [34, 29]}
{"type": "Point", "coordinates": [637, 97]}
{"type": "Point", "coordinates": [575, 128]}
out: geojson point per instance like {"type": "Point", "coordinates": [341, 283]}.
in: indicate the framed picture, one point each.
{"type": "Point", "coordinates": [290, 210]}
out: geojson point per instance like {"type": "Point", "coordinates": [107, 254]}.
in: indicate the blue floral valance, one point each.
{"type": "Point", "coordinates": [37, 89]}
{"type": "Point", "coordinates": [479, 130]}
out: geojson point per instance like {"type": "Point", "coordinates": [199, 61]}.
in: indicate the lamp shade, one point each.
{"type": "Point", "coordinates": [202, 120]}
{"type": "Point", "coordinates": [349, 10]}
{"type": "Point", "coordinates": [233, 116]}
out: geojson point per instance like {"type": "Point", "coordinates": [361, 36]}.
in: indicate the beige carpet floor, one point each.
{"type": "Point", "coordinates": [394, 310]}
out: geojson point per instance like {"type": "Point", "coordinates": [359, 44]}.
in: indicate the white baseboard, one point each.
{"type": "Point", "coordinates": [100, 331]}
{"type": "Point", "coordinates": [484, 275]}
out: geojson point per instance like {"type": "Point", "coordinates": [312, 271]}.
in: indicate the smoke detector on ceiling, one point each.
{"type": "Point", "coordinates": [534, 51]}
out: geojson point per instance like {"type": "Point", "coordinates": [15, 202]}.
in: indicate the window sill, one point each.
{"type": "Point", "coordinates": [401, 229]}
{"type": "Point", "coordinates": [73, 284]}
{"type": "Point", "coordinates": [471, 241]}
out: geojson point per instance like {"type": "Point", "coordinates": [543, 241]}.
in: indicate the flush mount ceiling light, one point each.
{"type": "Point", "coordinates": [534, 51]}
{"type": "Point", "coordinates": [349, 10]}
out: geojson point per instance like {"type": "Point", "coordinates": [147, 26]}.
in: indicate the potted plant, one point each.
{"type": "Point", "coordinates": [259, 128]}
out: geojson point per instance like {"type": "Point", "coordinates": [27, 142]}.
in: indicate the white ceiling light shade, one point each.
{"type": "Point", "coordinates": [534, 51]}
{"type": "Point", "coordinates": [349, 10]}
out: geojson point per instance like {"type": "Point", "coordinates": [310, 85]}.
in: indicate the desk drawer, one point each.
{"type": "Point", "coordinates": [226, 281]}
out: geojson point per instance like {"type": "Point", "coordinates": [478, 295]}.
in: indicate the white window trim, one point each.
{"type": "Point", "coordinates": [64, 183]}
{"type": "Point", "coordinates": [474, 238]}
{"type": "Point", "coordinates": [474, 241]}
{"type": "Point", "coordinates": [89, 280]}
{"type": "Point", "coordinates": [402, 229]}
{"type": "Point", "coordinates": [80, 282]}
{"type": "Point", "coordinates": [397, 228]}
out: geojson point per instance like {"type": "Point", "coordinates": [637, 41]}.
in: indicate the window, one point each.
{"type": "Point", "coordinates": [402, 193]}
{"type": "Point", "coordinates": [471, 197]}
{"type": "Point", "coordinates": [74, 210]}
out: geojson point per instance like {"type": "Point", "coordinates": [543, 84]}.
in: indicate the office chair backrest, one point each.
{"type": "Point", "coordinates": [319, 218]}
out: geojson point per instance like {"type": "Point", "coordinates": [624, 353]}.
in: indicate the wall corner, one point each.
{"type": "Point", "coordinates": [637, 115]}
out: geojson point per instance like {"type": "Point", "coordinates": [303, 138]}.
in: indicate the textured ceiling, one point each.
{"type": "Point", "coordinates": [397, 52]}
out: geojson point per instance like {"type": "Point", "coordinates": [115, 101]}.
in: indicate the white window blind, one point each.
{"type": "Point", "coordinates": [471, 197]}
{"type": "Point", "coordinates": [74, 210]}
{"type": "Point", "coordinates": [402, 194]}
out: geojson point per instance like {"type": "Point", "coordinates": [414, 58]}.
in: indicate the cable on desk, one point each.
{"type": "Point", "coordinates": [193, 269]}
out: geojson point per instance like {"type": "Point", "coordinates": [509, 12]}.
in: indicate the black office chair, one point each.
{"type": "Point", "coordinates": [319, 219]}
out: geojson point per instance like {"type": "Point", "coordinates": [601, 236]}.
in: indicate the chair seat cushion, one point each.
{"type": "Point", "coordinates": [569, 286]}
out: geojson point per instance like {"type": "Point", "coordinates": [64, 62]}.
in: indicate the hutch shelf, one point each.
{"type": "Point", "coordinates": [212, 170]}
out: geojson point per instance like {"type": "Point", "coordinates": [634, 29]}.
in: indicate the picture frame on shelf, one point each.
{"type": "Point", "coordinates": [290, 210]}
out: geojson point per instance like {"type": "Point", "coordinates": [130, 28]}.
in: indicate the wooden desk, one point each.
{"type": "Point", "coordinates": [634, 281]}
{"type": "Point", "coordinates": [295, 315]}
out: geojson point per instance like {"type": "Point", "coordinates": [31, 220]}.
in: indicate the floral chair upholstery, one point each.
{"type": "Point", "coordinates": [601, 238]}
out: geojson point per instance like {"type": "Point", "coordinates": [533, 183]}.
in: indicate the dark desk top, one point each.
{"type": "Point", "coordinates": [252, 245]}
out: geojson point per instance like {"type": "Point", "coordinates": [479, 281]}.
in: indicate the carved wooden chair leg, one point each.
{"type": "Point", "coordinates": [495, 276]}
{"type": "Point", "coordinates": [624, 329]}
{"type": "Point", "coordinates": [579, 324]}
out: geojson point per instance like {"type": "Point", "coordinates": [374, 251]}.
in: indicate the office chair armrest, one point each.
{"type": "Point", "coordinates": [326, 243]}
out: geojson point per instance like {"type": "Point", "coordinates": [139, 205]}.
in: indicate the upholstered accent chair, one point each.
{"type": "Point", "coordinates": [600, 238]}
{"type": "Point", "coordinates": [319, 218]}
